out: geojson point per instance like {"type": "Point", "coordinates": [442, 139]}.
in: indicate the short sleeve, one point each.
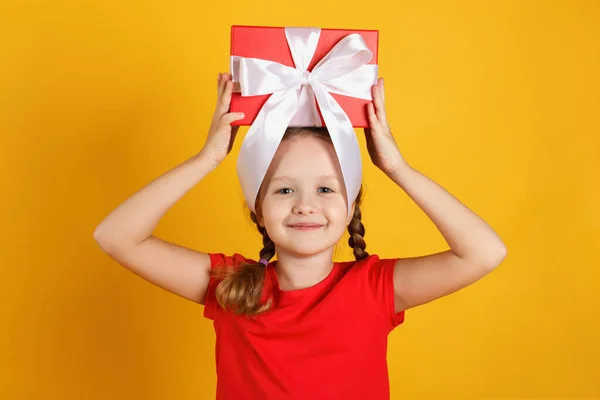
{"type": "Point", "coordinates": [380, 277]}
{"type": "Point", "coordinates": [211, 307]}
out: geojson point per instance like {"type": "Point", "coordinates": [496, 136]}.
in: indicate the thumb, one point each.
{"type": "Point", "coordinates": [228, 118]}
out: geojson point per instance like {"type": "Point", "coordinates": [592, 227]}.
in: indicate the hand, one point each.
{"type": "Point", "coordinates": [382, 147]}
{"type": "Point", "coordinates": [221, 134]}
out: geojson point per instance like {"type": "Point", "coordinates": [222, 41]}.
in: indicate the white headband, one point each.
{"type": "Point", "coordinates": [344, 70]}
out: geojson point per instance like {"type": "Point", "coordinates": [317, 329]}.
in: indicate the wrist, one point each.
{"type": "Point", "coordinates": [398, 170]}
{"type": "Point", "coordinates": [207, 160]}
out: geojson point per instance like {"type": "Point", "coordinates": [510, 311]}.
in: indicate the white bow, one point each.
{"type": "Point", "coordinates": [344, 70]}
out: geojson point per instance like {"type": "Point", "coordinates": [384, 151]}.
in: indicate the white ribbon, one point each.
{"type": "Point", "coordinates": [344, 70]}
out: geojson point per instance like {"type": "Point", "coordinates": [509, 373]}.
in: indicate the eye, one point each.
{"type": "Point", "coordinates": [327, 190]}
{"type": "Point", "coordinates": [283, 191]}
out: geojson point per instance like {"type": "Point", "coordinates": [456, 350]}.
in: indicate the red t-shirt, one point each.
{"type": "Point", "coordinates": [327, 341]}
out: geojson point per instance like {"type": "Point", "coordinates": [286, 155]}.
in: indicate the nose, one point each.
{"type": "Point", "coordinates": [305, 204]}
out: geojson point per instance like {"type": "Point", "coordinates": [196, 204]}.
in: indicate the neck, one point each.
{"type": "Point", "coordinates": [300, 271]}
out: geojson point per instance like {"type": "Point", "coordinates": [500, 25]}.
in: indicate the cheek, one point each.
{"type": "Point", "coordinates": [273, 211]}
{"type": "Point", "coordinates": [338, 211]}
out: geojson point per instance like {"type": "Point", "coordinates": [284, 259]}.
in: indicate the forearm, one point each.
{"type": "Point", "coordinates": [135, 219]}
{"type": "Point", "coordinates": [468, 236]}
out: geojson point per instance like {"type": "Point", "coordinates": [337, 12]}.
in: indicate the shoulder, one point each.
{"type": "Point", "coordinates": [370, 263]}
{"type": "Point", "coordinates": [232, 260]}
{"type": "Point", "coordinates": [373, 268]}
{"type": "Point", "coordinates": [223, 265]}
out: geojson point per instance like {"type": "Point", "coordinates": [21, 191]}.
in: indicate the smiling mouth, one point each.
{"type": "Point", "coordinates": [306, 227]}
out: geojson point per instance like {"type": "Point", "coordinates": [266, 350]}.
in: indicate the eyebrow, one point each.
{"type": "Point", "coordinates": [291, 179]}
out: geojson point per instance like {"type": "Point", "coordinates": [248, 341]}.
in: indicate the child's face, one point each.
{"type": "Point", "coordinates": [304, 184]}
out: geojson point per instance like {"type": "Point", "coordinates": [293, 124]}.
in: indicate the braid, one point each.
{"type": "Point", "coordinates": [241, 288]}
{"type": "Point", "coordinates": [268, 250]}
{"type": "Point", "coordinates": [356, 229]}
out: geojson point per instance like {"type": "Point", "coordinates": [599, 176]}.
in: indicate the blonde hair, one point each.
{"type": "Point", "coordinates": [240, 288]}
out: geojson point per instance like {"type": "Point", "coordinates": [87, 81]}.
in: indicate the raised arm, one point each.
{"type": "Point", "coordinates": [125, 234]}
{"type": "Point", "coordinates": [475, 249]}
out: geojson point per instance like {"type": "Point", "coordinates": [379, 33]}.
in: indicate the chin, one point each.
{"type": "Point", "coordinates": [305, 252]}
{"type": "Point", "coordinates": [308, 249]}
{"type": "Point", "coordinates": [305, 243]}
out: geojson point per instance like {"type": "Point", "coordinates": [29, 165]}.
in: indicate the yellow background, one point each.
{"type": "Point", "coordinates": [497, 101]}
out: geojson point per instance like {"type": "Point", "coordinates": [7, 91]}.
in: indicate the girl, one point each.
{"type": "Point", "coordinates": [302, 326]}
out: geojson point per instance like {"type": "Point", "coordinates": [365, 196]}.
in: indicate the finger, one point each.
{"type": "Point", "coordinates": [382, 92]}
{"type": "Point", "coordinates": [217, 113]}
{"type": "Point", "coordinates": [379, 106]}
{"type": "Point", "coordinates": [228, 118]}
{"type": "Point", "coordinates": [222, 84]}
{"type": "Point", "coordinates": [373, 120]}
{"type": "Point", "coordinates": [377, 98]}
{"type": "Point", "coordinates": [226, 97]}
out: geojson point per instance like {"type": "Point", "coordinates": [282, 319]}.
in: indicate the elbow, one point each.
{"type": "Point", "coordinates": [96, 235]}
{"type": "Point", "coordinates": [495, 257]}
{"type": "Point", "coordinates": [112, 242]}
{"type": "Point", "coordinates": [102, 239]}
{"type": "Point", "coordinates": [487, 259]}
{"type": "Point", "coordinates": [99, 236]}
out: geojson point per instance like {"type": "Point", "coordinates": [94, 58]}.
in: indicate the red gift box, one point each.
{"type": "Point", "coordinates": [270, 43]}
